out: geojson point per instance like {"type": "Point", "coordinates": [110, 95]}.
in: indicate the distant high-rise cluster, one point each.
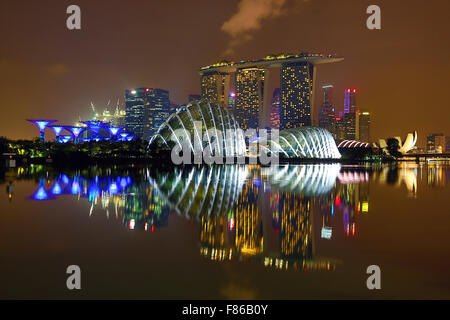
{"type": "Point", "coordinates": [146, 110]}
{"type": "Point", "coordinates": [349, 124]}
{"type": "Point", "coordinates": [437, 143]}
{"type": "Point", "coordinates": [253, 106]}
{"type": "Point", "coordinates": [327, 115]}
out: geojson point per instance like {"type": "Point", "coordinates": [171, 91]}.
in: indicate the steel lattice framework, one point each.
{"type": "Point", "coordinates": [305, 142]}
{"type": "Point", "coordinates": [202, 124]}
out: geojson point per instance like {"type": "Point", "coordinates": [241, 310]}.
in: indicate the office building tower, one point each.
{"type": "Point", "coordinates": [327, 115]}
{"type": "Point", "coordinates": [435, 143]}
{"type": "Point", "coordinates": [296, 94]}
{"type": "Point", "coordinates": [351, 120]}
{"type": "Point", "coordinates": [349, 100]}
{"type": "Point", "coordinates": [249, 96]}
{"type": "Point", "coordinates": [157, 110]}
{"type": "Point", "coordinates": [134, 110]}
{"type": "Point", "coordinates": [339, 128]}
{"type": "Point", "coordinates": [364, 126]}
{"type": "Point", "coordinates": [275, 114]}
{"type": "Point", "coordinates": [447, 144]}
{"type": "Point", "coordinates": [215, 87]}
{"type": "Point", "coordinates": [146, 110]}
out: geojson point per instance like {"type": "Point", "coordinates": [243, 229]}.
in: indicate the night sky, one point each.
{"type": "Point", "coordinates": [401, 71]}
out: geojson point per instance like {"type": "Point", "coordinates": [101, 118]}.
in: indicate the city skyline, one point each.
{"type": "Point", "coordinates": [66, 70]}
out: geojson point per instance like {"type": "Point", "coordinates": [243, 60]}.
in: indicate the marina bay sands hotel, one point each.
{"type": "Point", "coordinates": [252, 102]}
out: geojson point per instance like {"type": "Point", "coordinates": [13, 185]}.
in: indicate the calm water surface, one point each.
{"type": "Point", "coordinates": [227, 232]}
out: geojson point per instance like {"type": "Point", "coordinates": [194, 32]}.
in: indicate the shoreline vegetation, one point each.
{"type": "Point", "coordinates": [138, 152]}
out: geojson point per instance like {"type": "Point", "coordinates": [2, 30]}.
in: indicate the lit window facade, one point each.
{"type": "Point", "coordinates": [296, 94]}
{"type": "Point", "coordinates": [249, 96]}
{"type": "Point", "coordinates": [215, 87]}
{"type": "Point", "coordinates": [146, 110]}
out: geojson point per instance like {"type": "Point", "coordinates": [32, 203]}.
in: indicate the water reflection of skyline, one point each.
{"type": "Point", "coordinates": [274, 215]}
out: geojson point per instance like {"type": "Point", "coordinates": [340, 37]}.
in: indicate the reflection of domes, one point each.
{"type": "Point", "coordinates": [310, 180]}
{"type": "Point", "coordinates": [306, 142]}
{"type": "Point", "coordinates": [202, 124]}
{"type": "Point", "coordinates": [202, 192]}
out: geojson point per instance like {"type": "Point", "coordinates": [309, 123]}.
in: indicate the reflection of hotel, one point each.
{"type": "Point", "coordinates": [249, 235]}
{"type": "Point", "coordinates": [295, 226]}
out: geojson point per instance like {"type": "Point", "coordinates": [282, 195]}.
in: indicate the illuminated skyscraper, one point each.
{"type": "Point", "coordinates": [215, 87]}
{"type": "Point", "coordinates": [436, 143]}
{"type": "Point", "coordinates": [364, 126]}
{"type": "Point", "coordinates": [249, 96]}
{"type": "Point", "coordinates": [327, 115]}
{"type": "Point", "coordinates": [146, 110]}
{"type": "Point", "coordinates": [339, 129]}
{"type": "Point", "coordinates": [349, 99]}
{"type": "Point", "coordinates": [135, 109]}
{"type": "Point", "coordinates": [351, 115]}
{"type": "Point", "coordinates": [157, 110]}
{"type": "Point", "coordinates": [296, 94]}
{"type": "Point", "coordinates": [432, 147]}
{"type": "Point", "coordinates": [351, 120]}
{"type": "Point", "coordinates": [275, 113]}
{"type": "Point", "coordinates": [296, 81]}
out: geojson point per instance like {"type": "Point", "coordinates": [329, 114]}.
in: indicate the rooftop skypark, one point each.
{"type": "Point", "coordinates": [271, 61]}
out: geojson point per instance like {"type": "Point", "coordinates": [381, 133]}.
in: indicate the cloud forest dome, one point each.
{"type": "Point", "coordinates": [205, 122]}
{"type": "Point", "coordinates": [305, 142]}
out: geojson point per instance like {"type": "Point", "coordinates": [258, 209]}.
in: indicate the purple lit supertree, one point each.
{"type": "Point", "coordinates": [114, 131]}
{"type": "Point", "coordinates": [57, 130]}
{"type": "Point", "coordinates": [65, 139]}
{"type": "Point", "coordinates": [95, 126]}
{"type": "Point", "coordinates": [42, 124]}
{"type": "Point", "coordinates": [76, 131]}
{"type": "Point", "coordinates": [124, 135]}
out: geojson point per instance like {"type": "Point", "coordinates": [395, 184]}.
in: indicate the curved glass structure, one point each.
{"type": "Point", "coordinates": [201, 125]}
{"type": "Point", "coordinates": [201, 192]}
{"type": "Point", "coordinates": [311, 180]}
{"type": "Point", "coordinates": [305, 142]}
